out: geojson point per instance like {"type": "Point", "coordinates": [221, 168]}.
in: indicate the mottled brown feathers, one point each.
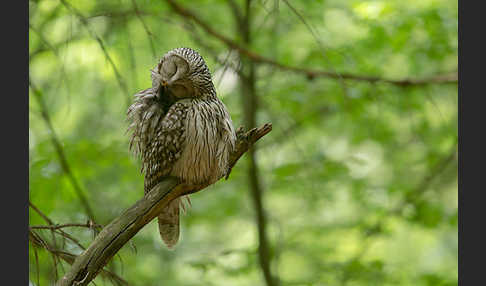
{"type": "Point", "coordinates": [188, 136]}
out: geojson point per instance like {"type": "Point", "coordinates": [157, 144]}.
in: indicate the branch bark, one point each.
{"type": "Point", "coordinates": [116, 234]}
{"type": "Point", "coordinates": [38, 242]}
{"type": "Point", "coordinates": [89, 224]}
{"type": "Point", "coordinates": [310, 73]}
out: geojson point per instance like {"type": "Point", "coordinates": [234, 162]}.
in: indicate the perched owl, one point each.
{"type": "Point", "coordinates": [180, 128]}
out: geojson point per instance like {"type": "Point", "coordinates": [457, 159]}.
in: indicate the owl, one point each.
{"type": "Point", "coordinates": [180, 128]}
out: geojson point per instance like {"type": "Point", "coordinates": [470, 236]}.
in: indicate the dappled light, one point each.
{"type": "Point", "coordinates": [356, 184]}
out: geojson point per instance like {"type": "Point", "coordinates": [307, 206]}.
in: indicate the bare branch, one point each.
{"type": "Point", "coordinates": [89, 224]}
{"type": "Point", "coordinates": [47, 219]}
{"type": "Point", "coordinates": [310, 73]}
{"type": "Point", "coordinates": [116, 234]}
{"type": "Point", "coordinates": [58, 231]}
{"type": "Point", "coordinates": [37, 241]}
{"type": "Point", "coordinates": [320, 112]}
{"type": "Point", "coordinates": [37, 266]}
{"type": "Point", "coordinates": [213, 53]}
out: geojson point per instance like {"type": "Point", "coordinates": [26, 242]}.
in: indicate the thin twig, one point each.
{"type": "Point", "coordinates": [37, 265]}
{"type": "Point", "coordinates": [319, 112]}
{"type": "Point", "coordinates": [70, 237]}
{"type": "Point", "coordinates": [312, 31]}
{"type": "Point", "coordinates": [58, 226]}
{"type": "Point", "coordinates": [145, 27]}
{"type": "Point", "coordinates": [52, 47]}
{"type": "Point", "coordinates": [213, 53]}
{"type": "Point", "coordinates": [119, 14]}
{"type": "Point", "coordinates": [60, 151]}
{"type": "Point", "coordinates": [49, 221]}
{"type": "Point", "coordinates": [58, 231]}
{"type": "Point", "coordinates": [342, 83]}
{"type": "Point", "coordinates": [85, 23]}
{"type": "Point", "coordinates": [37, 241]}
{"type": "Point", "coordinates": [38, 211]}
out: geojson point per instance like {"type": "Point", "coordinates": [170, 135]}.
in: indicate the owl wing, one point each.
{"type": "Point", "coordinates": [158, 137]}
{"type": "Point", "coordinates": [165, 148]}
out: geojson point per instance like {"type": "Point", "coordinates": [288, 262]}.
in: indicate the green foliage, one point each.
{"type": "Point", "coordinates": [360, 179]}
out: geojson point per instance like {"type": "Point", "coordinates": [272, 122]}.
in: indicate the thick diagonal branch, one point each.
{"type": "Point", "coordinates": [116, 234]}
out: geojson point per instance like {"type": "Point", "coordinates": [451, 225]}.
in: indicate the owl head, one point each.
{"type": "Point", "coordinates": [182, 73]}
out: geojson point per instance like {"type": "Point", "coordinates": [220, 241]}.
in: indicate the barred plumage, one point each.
{"type": "Point", "coordinates": [181, 129]}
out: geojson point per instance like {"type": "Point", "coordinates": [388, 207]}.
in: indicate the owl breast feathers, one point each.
{"type": "Point", "coordinates": [181, 129]}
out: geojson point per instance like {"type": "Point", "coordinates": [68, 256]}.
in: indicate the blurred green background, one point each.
{"type": "Point", "coordinates": [359, 178]}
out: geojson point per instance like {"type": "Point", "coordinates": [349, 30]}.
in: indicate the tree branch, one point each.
{"type": "Point", "coordinates": [37, 242]}
{"type": "Point", "coordinates": [116, 234]}
{"type": "Point", "coordinates": [89, 224]}
{"type": "Point", "coordinates": [58, 231]}
{"type": "Point", "coordinates": [310, 73]}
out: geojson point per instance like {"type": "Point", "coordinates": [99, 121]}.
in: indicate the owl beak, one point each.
{"type": "Point", "coordinates": [162, 88]}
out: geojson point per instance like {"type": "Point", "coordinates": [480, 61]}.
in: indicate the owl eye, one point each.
{"type": "Point", "coordinates": [169, 68]}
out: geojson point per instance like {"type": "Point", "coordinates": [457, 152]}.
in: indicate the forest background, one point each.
{"type": "Point", "coordinates": [355, 185]}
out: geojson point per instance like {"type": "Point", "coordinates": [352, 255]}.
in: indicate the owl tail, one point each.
{"type": "Point", "coordinates": [169, 222]}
